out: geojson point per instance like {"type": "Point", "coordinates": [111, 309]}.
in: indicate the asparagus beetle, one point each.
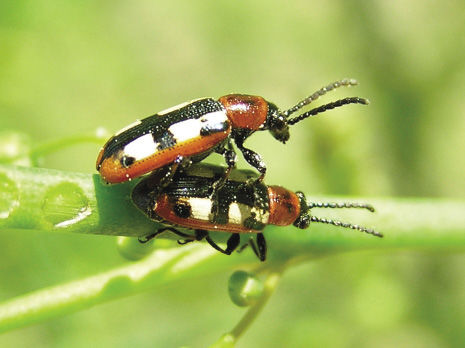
{"type": "Point", "coordinates": [191, 131]}
{"type": "Point", "coordinates": [238, 207]}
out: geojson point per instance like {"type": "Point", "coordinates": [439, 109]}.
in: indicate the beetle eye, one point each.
{"type": "Point", "coordinates": [279, 129]}
{"type": "Point", "coordinates": [303, 221]}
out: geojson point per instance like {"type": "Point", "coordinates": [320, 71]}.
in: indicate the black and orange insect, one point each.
{"type": "Point", "coordinates": [242, 206]}
{"type": "Point", "coordinates": [191, 131]}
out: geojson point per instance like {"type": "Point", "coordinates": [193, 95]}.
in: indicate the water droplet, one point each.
{"type": "Point", "coordinates": [9, 196]}
{"type": "Point", "coordinates": [132, 249]}
{"type": "Point", "coordinates": [65, 204]}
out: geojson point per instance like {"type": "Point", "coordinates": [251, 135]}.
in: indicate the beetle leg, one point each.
{"type": "Point", "coordinates": [230, 157]}
{"type": "Point", "coordinates": [215, 198]}
{"type": "Point", "coordinates": [242, 247]}
{"type": "Point", "coordinates": [185, 241]}
{"type": "Point", "coordinates": [231, 244]}
{"type": "Point", "coordinates": [164, 229]}
{"type": "Point", "coordinates": [218, 184]}
{"type": "Point", "coordinates": [254, 159]}
{"type": "Point", "coordinates": [179, 161]}
{"type": "Point", "coordinates": [200, 234]}
{"type": "Point", "coordinates": [188, 237]}
{"type": "Point", "coordinates": [259, 247]}
{"type": "Point", "coordinates": [146, 239]}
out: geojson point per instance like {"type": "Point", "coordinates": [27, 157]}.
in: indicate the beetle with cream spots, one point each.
{"type": "Point", "coordinates": [191, 131]}
{"type": "Point", "coordinates": [240, 207]}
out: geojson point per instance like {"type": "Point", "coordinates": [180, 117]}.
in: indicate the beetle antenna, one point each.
{"type": "Point", "coordinates": [346, 225]}
{"type": "Point", "coordinates": [318, 94]}
{"type": "Point", "coordinates": [341, 205]}
{"type": "Point", "coordinates": [329, 106]}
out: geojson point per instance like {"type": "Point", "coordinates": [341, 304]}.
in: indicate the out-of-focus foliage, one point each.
{"type": "Point", "coordinates": [67, 68]}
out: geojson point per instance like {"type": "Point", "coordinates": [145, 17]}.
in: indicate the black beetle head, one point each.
{"type": "Point", "coordinates": [276, 123]}
{"type": "Point", "coordinates": [304, 218]}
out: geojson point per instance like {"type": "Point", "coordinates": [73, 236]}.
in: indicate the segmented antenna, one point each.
{"type": "Point", "coordinates": [346, 225]}
{"type": "Point", "coordinates": [329, 106]}
{"type": "Point", "coordinates": [341, 205]}
{"type": "Point", "coordinates": [319, 93]}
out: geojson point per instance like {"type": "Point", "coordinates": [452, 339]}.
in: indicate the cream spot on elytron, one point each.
{"type": "Point", "coordinates": [200, 208]}
{"type": "Point", "coordinates": [141, 147]}
{"type": "Point", "coordinates": [190, 129]}
{"type": "Point", "coordinates": [239, 212]}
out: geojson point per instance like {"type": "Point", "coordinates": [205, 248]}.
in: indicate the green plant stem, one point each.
{"type": "Point", "coordinates": [51, 200]}
{"type": "Point", "coordinates": [57, 201]}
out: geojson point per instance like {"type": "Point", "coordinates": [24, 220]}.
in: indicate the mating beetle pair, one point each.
{"type": "Point", "coordinates": [169, 141]}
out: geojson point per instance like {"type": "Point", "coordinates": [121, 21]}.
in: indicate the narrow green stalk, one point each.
{"type": "Point", "coordinates": [161, 268]}
{"type": "Point", "coordinates": [229, 339]}
{"type": "Point", "coordinates": [271, 282]}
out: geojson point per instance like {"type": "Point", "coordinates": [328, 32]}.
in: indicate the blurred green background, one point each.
{"type": "Point", "coordinates": [67, 68]}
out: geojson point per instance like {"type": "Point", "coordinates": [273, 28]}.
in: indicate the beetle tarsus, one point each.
{"type": "Point", "coordinates": [259, 246]}
{"type": "Point", "coordinates": [148, 238]}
